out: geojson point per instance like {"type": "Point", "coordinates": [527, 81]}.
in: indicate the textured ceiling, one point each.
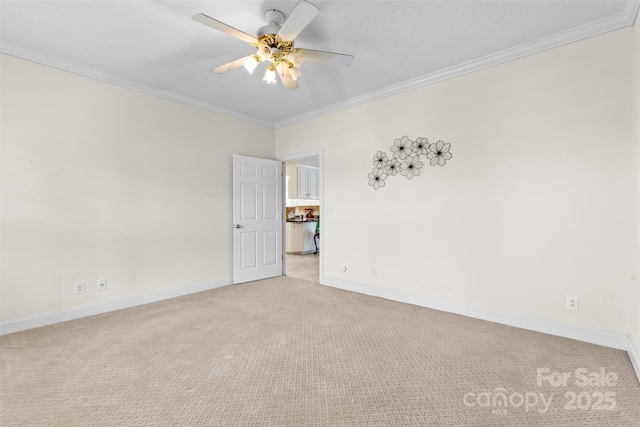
{"type": "Point", "coordinates": [156, 46]}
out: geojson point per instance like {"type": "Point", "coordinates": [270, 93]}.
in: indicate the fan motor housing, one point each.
{"type": "Point", "coordinates": [274, 19]}
{"type": "Point", "coordinates": [268, 29]}
{"type": "Point", "coordinates": [274, 16]}
{"type": "Point", "coordinates": [274, 42]}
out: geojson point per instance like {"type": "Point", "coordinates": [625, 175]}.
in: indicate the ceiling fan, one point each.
{"type": "Point", "coordinates": [274, 45]}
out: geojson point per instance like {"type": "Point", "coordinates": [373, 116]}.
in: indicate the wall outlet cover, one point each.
{"type": "Point", "coordinates": [572, 303]}
{"type": "Point", "coordinates": [79, 288]}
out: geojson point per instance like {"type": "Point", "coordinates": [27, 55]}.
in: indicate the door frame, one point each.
{"type": "Point", "coordinates": [295, 156]}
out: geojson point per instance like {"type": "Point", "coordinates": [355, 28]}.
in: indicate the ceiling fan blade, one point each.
{"type": "Point", "coordinates": [286, 79]}
{"type": "Point", "coordinates": [231, 65]}
{"type": "Point", "coordinates": [330, 58]}
{"type": "Point", "coordinates": [221, 26]}
{"type": "Point", "coordinates": [302, 15]}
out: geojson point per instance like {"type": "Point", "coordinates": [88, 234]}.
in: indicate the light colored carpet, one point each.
{"type": "Point", "coordinates": [288, 352]}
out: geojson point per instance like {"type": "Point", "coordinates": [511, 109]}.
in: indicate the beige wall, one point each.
{"type": "Point", "coordinates": [100, 181]}
{"type": "Point", "coordinates": [634, 297]}
{"type": "Point", "coordinates": [536, 204]}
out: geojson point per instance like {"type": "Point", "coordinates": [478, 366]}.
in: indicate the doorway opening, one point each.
{"type": "Point", "coordinates": [303, 208]}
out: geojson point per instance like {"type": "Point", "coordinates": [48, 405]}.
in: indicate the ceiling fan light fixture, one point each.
{"type": "Point", "coordinates": [263, 52]}
{"type": "Point", "coordinates": [251, 63]}
{"type": "Point", "coordinates": [295, 58]}
{"type": "Point", "coordinates": [275, 44]}
{"type": "Point", "coordinates": [270, 75]}
{"type": "Point", "coordinates": [294, 72]}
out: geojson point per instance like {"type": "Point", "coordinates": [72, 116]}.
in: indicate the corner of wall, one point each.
{"type": "Point", "coordinates": [634, 357]}
{"type": "Point", "coordinates": [634, 292]}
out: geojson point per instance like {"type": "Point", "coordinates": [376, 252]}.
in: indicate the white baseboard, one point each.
{"type": "Point", "coordinates": [90, 310]}
{"type": "Point", "coordinates": [634, 356]}
{"type": "Point", "coordinates": [606, 339]}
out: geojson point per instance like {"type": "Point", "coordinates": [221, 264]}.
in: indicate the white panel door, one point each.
{"type": "Point", "coordinates": [257, 218]}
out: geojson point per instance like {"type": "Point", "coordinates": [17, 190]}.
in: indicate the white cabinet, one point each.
{"type": "Point", "coordinates": [294, 237]}
{"type": "Point", "coordinates": [292, 181]}
{"type": "Point", "coordinates": [300, 237]}
{"type": "Point", "coordinates": [311, 184]}
{"type": "Point", "coordinates": [303, 182]}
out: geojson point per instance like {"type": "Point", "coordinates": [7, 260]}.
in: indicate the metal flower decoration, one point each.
{"type": "Point", "coordinates": [411, 167]}
{"type": "Point", "coordinates": [439, 153]}
{"type": "Point", "coordinates": [406, 159]}
{"type": "Point", "coordinates": [420, 146]}
{"type": "Point", "coordinates": [393, 166]}
{"type": "Point", "coordinates": [401, 147]}
{"type": "Point", "coordinates": [380, 159]}
{"type": "Point", "coordinates": [377, 177]}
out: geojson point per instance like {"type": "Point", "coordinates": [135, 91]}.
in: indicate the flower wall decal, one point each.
{"type": "Point", "coordinates": [377, 177]}
{"type": "Point", "coordinates": [393, 166]}
{"type": "Point", "coordinates": [411, 167]}
{"type": "Point", "coordinates": [406, 159]}
{"type": "Point", "coordinates": [439, 153]}
{"type": "Point", "coordinates": [401, 147]}
{"type": "Point", "coordinates": [380, 159]}
{"type": "Point", "coordinates": [420, 146]}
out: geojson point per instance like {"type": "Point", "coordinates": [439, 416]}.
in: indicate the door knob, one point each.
{"type": "Point", "coordinates": [237, 226]}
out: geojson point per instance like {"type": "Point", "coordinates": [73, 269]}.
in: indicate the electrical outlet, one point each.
{"type": "Point", "coordinates": [102, 284]}
{"type": "Point", "coordinates": [79, 287]}
{"type": "Point", "coordinates": [572, 303]}
{"type": "Point", "coordinates": [373, 272]}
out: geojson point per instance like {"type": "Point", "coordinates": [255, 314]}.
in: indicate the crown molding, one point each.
{"type": "Point", "coordinates": [625, 18]}
{"type": "Point", "coordinates": [94, 73]}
